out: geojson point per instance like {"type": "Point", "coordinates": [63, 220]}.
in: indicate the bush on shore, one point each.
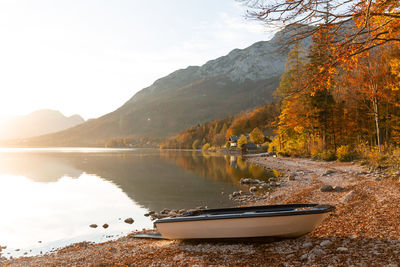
{"type": "Point", "coordinates": [328, 155]}
{"type": "Point", "coordinates": [206, 146]}
{"type": "Point", "coordinates": [345, 153]}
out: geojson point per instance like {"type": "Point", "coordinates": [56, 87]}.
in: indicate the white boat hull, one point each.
{"type": "Point", "coordinates": [277, 226]}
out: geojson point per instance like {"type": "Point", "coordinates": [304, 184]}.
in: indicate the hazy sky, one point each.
{"type": "Point", "coordinates": [90, 56]}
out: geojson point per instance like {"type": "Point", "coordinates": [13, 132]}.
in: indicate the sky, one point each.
{"type": "Point", "coordinates": [89, 57]}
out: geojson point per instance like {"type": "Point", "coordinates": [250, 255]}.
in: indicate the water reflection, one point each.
{"type": "Point", "coordinates": [230, 168]}
{"type": "Point", "coordinates": [41, 216]}
{"type": "Point", "coordinates": [53, 195]}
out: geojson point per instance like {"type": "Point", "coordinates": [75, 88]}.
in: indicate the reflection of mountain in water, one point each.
{"type": "Point", "coordinates": [39, 167]}
{"type": "Point", "coordinates": [154, 180]}
{"type": "Point", "coordinates": [157, 184]}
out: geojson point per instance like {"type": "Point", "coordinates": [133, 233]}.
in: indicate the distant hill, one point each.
{"type": "Point", "coordinates": [37, 123]}
{"type": "Point", "coordinates": [241, 80]}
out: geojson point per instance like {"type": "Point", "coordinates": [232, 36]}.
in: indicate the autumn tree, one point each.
{"type": "Point", "coordinates": [395, 99]}
{"type": "Point", "coordinates": [257, 136]}
{"type": "Point", "coordinates": [376, 85]}
{"type": "Point", "coordinates": [219, 140]}
{"type": "Point", "coordinates": [361, 25]}
{"type": "Point", "coordinates": [242, 140]}
{"type": "Point", "coordinates": [321, 77]}
{"type": "Point", "coordinates": [295, 120]}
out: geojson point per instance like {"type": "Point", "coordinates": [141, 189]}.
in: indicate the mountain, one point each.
{"type": "Point", "coordinates": [240, 80]}
{"type": "Point", "coordinates": [37, 123]}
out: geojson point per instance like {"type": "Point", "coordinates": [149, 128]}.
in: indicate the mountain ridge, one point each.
{"type": "Point", "coordinates": [241, 80]}
{"type": "Point", "coordinates": [39, 122]}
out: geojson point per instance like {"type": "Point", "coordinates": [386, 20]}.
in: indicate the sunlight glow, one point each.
{"type": "Point", "coordinates": [63, 55]}
{"type": "Point", "coordinates": [62, 210]}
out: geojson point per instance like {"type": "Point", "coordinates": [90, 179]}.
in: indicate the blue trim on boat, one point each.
{"type": "Point", "coordinates": [250, 212]}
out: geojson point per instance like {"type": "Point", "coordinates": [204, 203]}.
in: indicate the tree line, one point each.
{"type": "Point", "coordinates": [216, 133]}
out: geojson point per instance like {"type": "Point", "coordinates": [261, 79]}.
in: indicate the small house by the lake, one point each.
{"type": "Point", "coordinates": [249, 147]}
{"type": "Point", "coordinates": [233, 140]}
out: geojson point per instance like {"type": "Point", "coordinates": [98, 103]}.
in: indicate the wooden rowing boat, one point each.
{"type": "Point", "coordinates": [292, 220]}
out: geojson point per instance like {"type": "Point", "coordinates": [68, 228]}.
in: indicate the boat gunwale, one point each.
{"type": "Point", "coordinates": [286, 210]}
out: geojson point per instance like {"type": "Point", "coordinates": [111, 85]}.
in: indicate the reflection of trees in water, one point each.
{"type": "Point", "coordinates": [147, 179]}
{"type": "Point", "coordinates": [215, 167]}
{"type": "Point", "coordinates": [155, 180]}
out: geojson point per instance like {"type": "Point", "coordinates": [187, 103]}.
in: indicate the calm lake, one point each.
{"type": "Point", "coordinates": [50, 196]}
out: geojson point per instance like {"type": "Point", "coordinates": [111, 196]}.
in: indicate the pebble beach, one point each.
{"type": "Point", "coordinates": [364, 230]}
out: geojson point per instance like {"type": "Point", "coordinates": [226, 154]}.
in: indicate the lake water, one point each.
{"type": "Point", "coordinates": [50, 197]}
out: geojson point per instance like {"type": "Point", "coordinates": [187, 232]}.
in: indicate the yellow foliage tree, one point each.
{"type": "Point", "coordinates": [257, 136]}
{"type": "Point", "coordinates": [242, 140]}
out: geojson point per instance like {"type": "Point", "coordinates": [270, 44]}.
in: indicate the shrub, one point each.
{"type": "Point", "coordinates": [274, 145]}
{"type": "Point", "coordinates": [206, 146]}
{"type": "Point", "coordinates": [328, 155]}
{"type": "Point", "coordinates": [345, 153]}
{"type": "Point", "coordinates": [376, 158]}
{"type": "Point", "coordinates": [265, 146]}
{"type": "Point", "coordinates": [283, 153]}
{"type": "Point", "coordinates": [196, 144]}
{"type": "Point", "coordinates": [242, 140]}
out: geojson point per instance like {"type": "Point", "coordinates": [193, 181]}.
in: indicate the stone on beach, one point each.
{"type": "Point", "coordinates": [149, 213]}
{"type": "Point", "coordinates": [93, 225]}
{"type": "Point", "coordinates": [235, 194]}
{"type": "Point", "coordinates": [347, 197]}
{"type": "Point", "coordinates": [105, 226]}
{"type": "Point", "coordinates": [129, 220]}
{"type": "Point", "coordinates": [165, 211]}
{"type": "Point", "coordinates": [307, 245]}
{"type": "Point", "coordinates": [339, 189]}
{"type": "Point", "coordinates": [329, 172]}
{"type": "Point", "coordinates": [249, 181]}
{"type": "Point", "coordinates": [292, 176]}
{"type": "Point", "coordinates": [325, 243]}
{"type": "Point", "coordinates": [158, 216]}
{"type": "Point", "coordinates": [327, 188]}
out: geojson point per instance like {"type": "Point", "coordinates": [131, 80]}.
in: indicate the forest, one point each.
{"type": "Point", "coordinates": [338, 98]}
{"type": "Point", "coordinates": [213, 135]}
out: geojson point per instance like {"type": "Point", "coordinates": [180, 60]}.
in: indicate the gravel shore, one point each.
{"type": "Point", "coordinates": [363, 231]}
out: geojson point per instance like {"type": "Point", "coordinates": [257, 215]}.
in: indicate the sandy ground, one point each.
{"type": "Point", "coordinates": [363, 231]}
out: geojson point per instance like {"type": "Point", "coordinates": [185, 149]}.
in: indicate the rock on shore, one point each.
{"type": "Point", "coordinates": [129, 220]}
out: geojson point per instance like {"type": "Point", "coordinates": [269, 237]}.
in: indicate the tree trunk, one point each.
{"type": "Point", "coordinates": [325, 120]}
{"type": "Point", "coordinates": [375, 104]}
{"type": "Point", "coordinates": [387, 126]}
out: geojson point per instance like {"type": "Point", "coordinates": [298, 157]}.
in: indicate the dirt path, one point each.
{"type": "Point", "coordinates": [363, 231]}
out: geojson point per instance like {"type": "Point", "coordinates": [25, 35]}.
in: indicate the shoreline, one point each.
{"type": "Point", "coordinates": [363, 231]}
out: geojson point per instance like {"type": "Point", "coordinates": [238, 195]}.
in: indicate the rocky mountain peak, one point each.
{"type": "Point", "coordinates": [262, 60]}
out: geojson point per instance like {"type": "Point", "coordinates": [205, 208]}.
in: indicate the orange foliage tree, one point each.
{"type": "Point", "coordinates": [360, 24]}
